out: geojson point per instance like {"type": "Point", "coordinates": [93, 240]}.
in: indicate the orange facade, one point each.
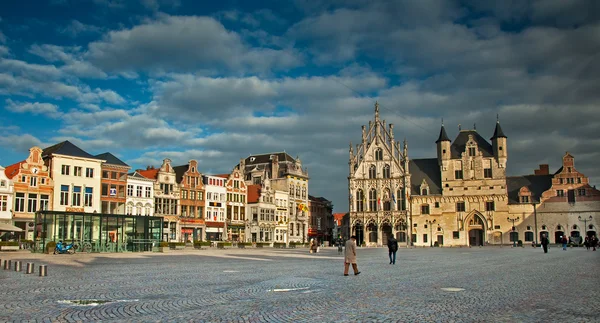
{"type": "Point", "coordinates": [191, 221]}
{"type": "Point", "coordinates": [569, 185]}
{"type": "Point", "coordinates": [114, 183]}
{"type": "Point", "coordinates": [33, 189]}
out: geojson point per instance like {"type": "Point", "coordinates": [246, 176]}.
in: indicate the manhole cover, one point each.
{"type": "Point", "coordinates": [92, 302]}
{"type": "Point", "coordinates": [452, 289]}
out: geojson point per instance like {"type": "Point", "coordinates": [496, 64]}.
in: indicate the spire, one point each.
{"type": "Point", "coordinates": [443, 136]}
{"type": "Point", "coordinates": [498, 131]}
{"type": "Point", "coordinates": [376, 110]}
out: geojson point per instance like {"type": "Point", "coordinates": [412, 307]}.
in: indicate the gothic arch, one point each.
{"type": "Point", "coordinates": [473, 215]}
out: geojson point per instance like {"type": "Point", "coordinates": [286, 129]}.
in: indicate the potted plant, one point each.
{"type": "Point", "coordinates": [243, 245]}
{"type": "Point", "coordinates": [199, 244]}
{"type": "Point", "coordinates": [9, 245]}
{"type": "Point", "coordinates": [280, 245]}
{"type": "Point", "coordinates": [163, 246]}
{"type": "Point", "coordinates": [223, 244]}
{"type": "Point", "coordinates": [177, 245]}
{"type": "Point", "coordinates": [50, 247]}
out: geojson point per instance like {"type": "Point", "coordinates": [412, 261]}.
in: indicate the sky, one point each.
{"type": "Point", "coordinates": [217, 81]}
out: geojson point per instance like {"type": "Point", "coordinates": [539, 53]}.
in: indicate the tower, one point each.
{"type": "Point", "coordinates": [443, 148]}
{"type": "Point", "coordinates": [499, 145]}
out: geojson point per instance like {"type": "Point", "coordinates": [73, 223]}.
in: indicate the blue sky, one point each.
{"type": "Point", "coordinates": [218, 81]}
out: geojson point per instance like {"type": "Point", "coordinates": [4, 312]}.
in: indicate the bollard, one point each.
{"type": "Point", "coordinates": [7, 264]}
{"type": "Point", "coordinates": [30, 268]}
{"type": "Point", "coordinates": [43, 271]}
{"type": "Point", "coordinates": [18, 265]}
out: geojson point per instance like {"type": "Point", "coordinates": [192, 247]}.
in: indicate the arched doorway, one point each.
{"type": "Point", "coordinates": [591, 233]}
{"type": "Point", "coordinates": [358, 230]}
{"type": "Point", "coordinates": [476, 230]}
{"type": "Point", "coordinates": [372, 231]}
{"type": "Point", "coordinates": [542, 233]}
{"type": "Point", "coordinates": [386, 230]}
{"type": "Point", "coordinates": [558, 236]}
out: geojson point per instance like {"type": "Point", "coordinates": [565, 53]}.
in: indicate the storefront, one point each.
{"type": "Point", "coordinates": [192, 229]}
{"type": "Point", "coordinates": [214, 230]}
{"type": "Point", "coordinates": [103, 232]}
{"type": "Point", "coordinates": [236, 231]}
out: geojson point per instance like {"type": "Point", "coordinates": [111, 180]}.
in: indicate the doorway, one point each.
{"type": "Point", "coordinates": [476, 237]}
{"type": "Point", "coordinates": [558, 237]}
{"type": "Point", "coordinates": [386, 230]}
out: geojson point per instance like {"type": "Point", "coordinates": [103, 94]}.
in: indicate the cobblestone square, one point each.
{"type": "Point", "coordinates": [499, 284]}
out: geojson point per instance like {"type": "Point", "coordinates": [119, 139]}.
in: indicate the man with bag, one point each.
{"type": "Point", "coordinates": [392, 249]}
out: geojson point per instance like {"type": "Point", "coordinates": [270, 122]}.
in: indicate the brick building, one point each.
{"type": "Point", "coordinates": [191, 221]}
{"type": "Point", "coordinates": [113, 182]}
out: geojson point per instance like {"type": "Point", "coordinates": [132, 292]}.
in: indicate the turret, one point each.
{"type": "Point", "coordinates": [392, 140]}
{"type": "Point", "coordinates": [499, 145]}
{"type": "Point", "coordinates": [351, 162]}
{"type": "Point", "coordinates": [443, 147]}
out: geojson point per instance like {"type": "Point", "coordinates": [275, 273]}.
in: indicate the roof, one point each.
{"type": "Point", "coordinates": [179, 171]}
{"type": "Point", "coordinates": [537, 184]}
{"type": "Point", "coordinates": [12, 170]}
{"type": "Point", "coordinates": [68, 149]}
{"type": "Point", "coordinates": [149, 173]}
{"type": "Point", "coordinates": [559, 170]}
{"type": "Point", "coordinates": [222, 175]}
{"type": "Point", "coordinates": [253, 193]}
{"type": "Point", "coordinates": [111, 159]}
{"type": "Point", "coordinates": [428, 169]}
{"type": "Point", "coordinates": [339, 216]}
{"type": "Point", "coordinates": [498, 132]}
{"type": "Point", "coordinates": [137, 175]}
{"type": "Point", "coordinates": [443, 135]}
{"type": "Point", "coordinates": [266, 158]}
{"type": "Point", "coordinates": [459, 144]}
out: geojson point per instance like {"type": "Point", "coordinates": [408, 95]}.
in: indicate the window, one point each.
{"type": "Point", "coordinates": [184, 195]}
{"type": "Point", "coordinates": [201, 194]}
{"type": "Point", "coordinates": [524, 199]}
{"type": "Point", "coordinates": [44, 202]}
{"type": "Point", "coordinates": [372, 171]}
{"type": "Point", "coordinates": [33, 181]}
{"type": "Point", "coordinates": [192, 195]}
{"type": "Point", "coordinates": [3, 203]}
{"type": "Point", "coordinates": [291, 189]}
{"type": "Point", "coordinates": [87, 201]}
{"type": "Point", "coordinates": [105, 174]}
{"type": "Point", "coordinates": [487, 172]}
{"type": "Point", "coordinates": [529, 236]}
{"type": "Point", "coordinates": [379, 154]}
{"type": "Point", "coordinates": [460, 206]}
{"type": "Point", "coordinates": [43, 180]}
{"type": "Point", "coordinates": [424, 238]}
{"type": "Point", "coordinates": [578, 180]}
{"type": "Point", "coordinates": [373, 200]}
{"type": "Point", "coordinates": [560, 193]}
{"type": "Point", "coordinates": [31, 203]}
{"type": "Point", "coordinates": [581, 192]}
{"type": "Point", "coordinates": [105, 190]}
{"type": "Point", "coordinates": [514, 236]}
{"type": "Point", "coordinates": [360, 196]}
{"type": "Point", "coordinates": [89, 172]}
{"type": "Point", "coordinates": [2, 183]}
{"type": "Point", "coordinates": [138, 191]}
{"type": "Point", "coordinates": [65, 169]}
{"type": "Point", "coordinates": [472, 151]}
{"type": "Point", "coordinates": [304, 192]}
{"type": "Point", "coordinates": [76, 171]}
{"type": "Point", "coordinates": [437, 205]}
{"type": "Point", "coordinates": [458, 174]}
{"type": "Point", "coordinates": [129, 190]}
{"type": "Point", "coordinates": [386, 171]}
{"type": "Point", "coordinates": [455, 235]}
{"type": "Point", "coordinates": [76, 196]}
{"type": "Point", "coordinates": [64, 195]}
{"type": "Point", "coordinates": [529, 227]}
{"type": "Point", "coordinates": [490, 206]}
{"type": "Point", "coordinates": [23, 179]}
{"type": "Point", "coordinates": [148, 194]}
{"type": "Point", "coordinates": [425, 209]}
{"type": "Point", "coordinates": [571, 196]}
{"type": "Point", "coordinates": [113, 175]}
{"type": "Point", "coordinates": [424, 191]}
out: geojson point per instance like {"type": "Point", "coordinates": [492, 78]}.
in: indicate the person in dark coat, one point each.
{"type": "Point", "coordinates": [392, 249]}
{"type": "Point", "coordinates": [545, 243]}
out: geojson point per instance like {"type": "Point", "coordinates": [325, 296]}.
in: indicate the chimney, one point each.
{"type": "Point", "coordinates": [274, 166]}
{"type": "Point", "coordinates": [543, 170]}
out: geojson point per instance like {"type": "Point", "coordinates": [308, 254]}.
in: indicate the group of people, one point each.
{"type": "Point", "coordinates": [589, 242]}
{"type": "Point", "coordinates": [350, 253]}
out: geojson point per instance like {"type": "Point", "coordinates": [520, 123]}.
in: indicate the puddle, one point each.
{"type": "Point", "coordinates": [230, 271]}
{"type": "Point", "coordinates": [92, 302]}
{"type": "Point", "coordinates": [288, 289]}
{"type": "Point", "coordinates": [452, 289]}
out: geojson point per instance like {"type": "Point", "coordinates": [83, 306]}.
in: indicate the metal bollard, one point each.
{"type": "Point", "coordinates": [18, 265]}
{"type": "Point", "coordinates": [30, 268]}
{"type": "Point", "coordinates": [7, 264]}
{"type": "Point", "coordinates": [43, 270]}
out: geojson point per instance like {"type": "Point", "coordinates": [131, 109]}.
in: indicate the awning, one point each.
{"type": "Point", "coordinates": [9, 227]}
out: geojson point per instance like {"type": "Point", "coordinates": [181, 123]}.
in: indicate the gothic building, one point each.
{"type": "Point", "coordinates": [378, 177]}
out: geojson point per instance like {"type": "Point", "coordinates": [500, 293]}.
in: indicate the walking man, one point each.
{"type": "Point", "coordinates": [350, 256]}
{"type": "Point", "coordinates": [545, 243]}
{"type": "Point", "coordinates": [392, 248]}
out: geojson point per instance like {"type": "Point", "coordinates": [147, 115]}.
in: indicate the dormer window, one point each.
{"type": "Point", "coordinates": [252, 159]}
{"type": "Point", "coordinates": [472, 151]}
{"type": "Point", "coordinates": [424, 191]}
{"type": "Point", "coordinates": [379, 154]}
{"type": "Point", "coordinates": [424, 188]}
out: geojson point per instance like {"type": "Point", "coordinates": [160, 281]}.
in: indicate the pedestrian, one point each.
{"type": "Point", "coordinates": [594, 242]}
{"type": "Point", "coordinates": [564, 242]}
{"type": "Point", "coordinates": [340, 245]}
{"type": "Point", "coordinates": [350, 256]}
{"type": "Point", "coordinates": [545, 243]}
{"type": "Point", "coordinates": [392, 249]}
{"type": "Point", "coordinates": [587, 243]}
{"type": "Point", "coordinates": [310, 245]}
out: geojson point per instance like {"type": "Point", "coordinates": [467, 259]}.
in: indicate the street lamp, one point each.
{"type": "Point", "coordinates": [535, 220]}
{"type": "Point", "coordinates": [429, 223]}
{"type": "Point", "coordinates": [585, 221]}
{"type": "Point", "coordinates": [513, 228]}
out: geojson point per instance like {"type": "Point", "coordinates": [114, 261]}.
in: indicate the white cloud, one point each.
{"type": "Point", "coordinates": [35, 108]}
{"type": "Point", "coordinates": [4, 51]}
{"type": "Point", "coordinates": [75, 28]}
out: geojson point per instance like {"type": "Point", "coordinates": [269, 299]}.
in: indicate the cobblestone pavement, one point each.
{"type": "Point", "coordinates": [274, 285]}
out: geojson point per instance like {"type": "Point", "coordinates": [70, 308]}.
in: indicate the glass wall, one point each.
{"type": "Point", "coordinates": [99, 232]}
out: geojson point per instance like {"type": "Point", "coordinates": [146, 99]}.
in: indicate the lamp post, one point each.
{"type": "Point", "coordinates": [535, 220]}
{"type": "Point", "coordinates": [429, 223]}
{"type": "Point", "coordinates": [585, 221]}
{"type": "Point", "coordinates": [513, 228]}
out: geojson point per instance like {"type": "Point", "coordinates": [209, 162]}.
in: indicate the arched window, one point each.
{"type": "Point", "coordinates": [424, 191]}
{"type": "Point", "coordinates": [303, 192]}
{"type": "Point", "coordinates": [292, 189]}
{"type": "Point", "coordinates": [360, 201]}
{"type": "Point", "coordinates": [298, 191]}
{"type": "Point", "coordinates": [387, 204]}
{"type": "Point", "coordinates": [372, 171]}
{"type": "Point", "coordinates": [372, 200]}
{"type": "Point", "coordinates": [386, 171]}
{"type": "Point", "coordinates": [379, 154]}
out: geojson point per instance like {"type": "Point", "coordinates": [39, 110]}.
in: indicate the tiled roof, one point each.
{"type": "Point", "coordinates": [459, 144]}
{"type": "Point", "coordinates": [68, 149]}
{"type": "Point", "coordinates": [222, 175]}
{"type": "Point", "coordinates": [253, 193]}
{"type": "Point", "coordinates": [266, 158]}
{"type": "Point", "coordinates": [428, 169]}
{"type": "Point", "coordinates": [537, 184]}
{"type": "Point", "coordinates": [111, 159]}
{"type": "Point", "coordinates": [12, 170]}
{"type": "Point", "coordinates": [136, 175]}
{"type": "Point", "coordinates": [149, 173]}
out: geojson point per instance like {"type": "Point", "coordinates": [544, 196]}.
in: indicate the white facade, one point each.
{"type": "Point", "coordinates": [6, 196]}
{"type": "Point", "coordinates": [140, 195]}
{"type": "Point", "coordinates": [216, 198]}
{"type": "Point", "coordinates": [76, 183]}
{"type": "Point", "coordinates": [281, 216]}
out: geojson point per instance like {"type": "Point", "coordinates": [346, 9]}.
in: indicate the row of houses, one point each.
{"type": "Point", "coordinates": [263, 199]}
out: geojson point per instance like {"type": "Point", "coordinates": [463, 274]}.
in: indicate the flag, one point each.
{"type": "Point", "coordinates": [379, 203]}
{"type": "Point", "coordinates": [393, 198]}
